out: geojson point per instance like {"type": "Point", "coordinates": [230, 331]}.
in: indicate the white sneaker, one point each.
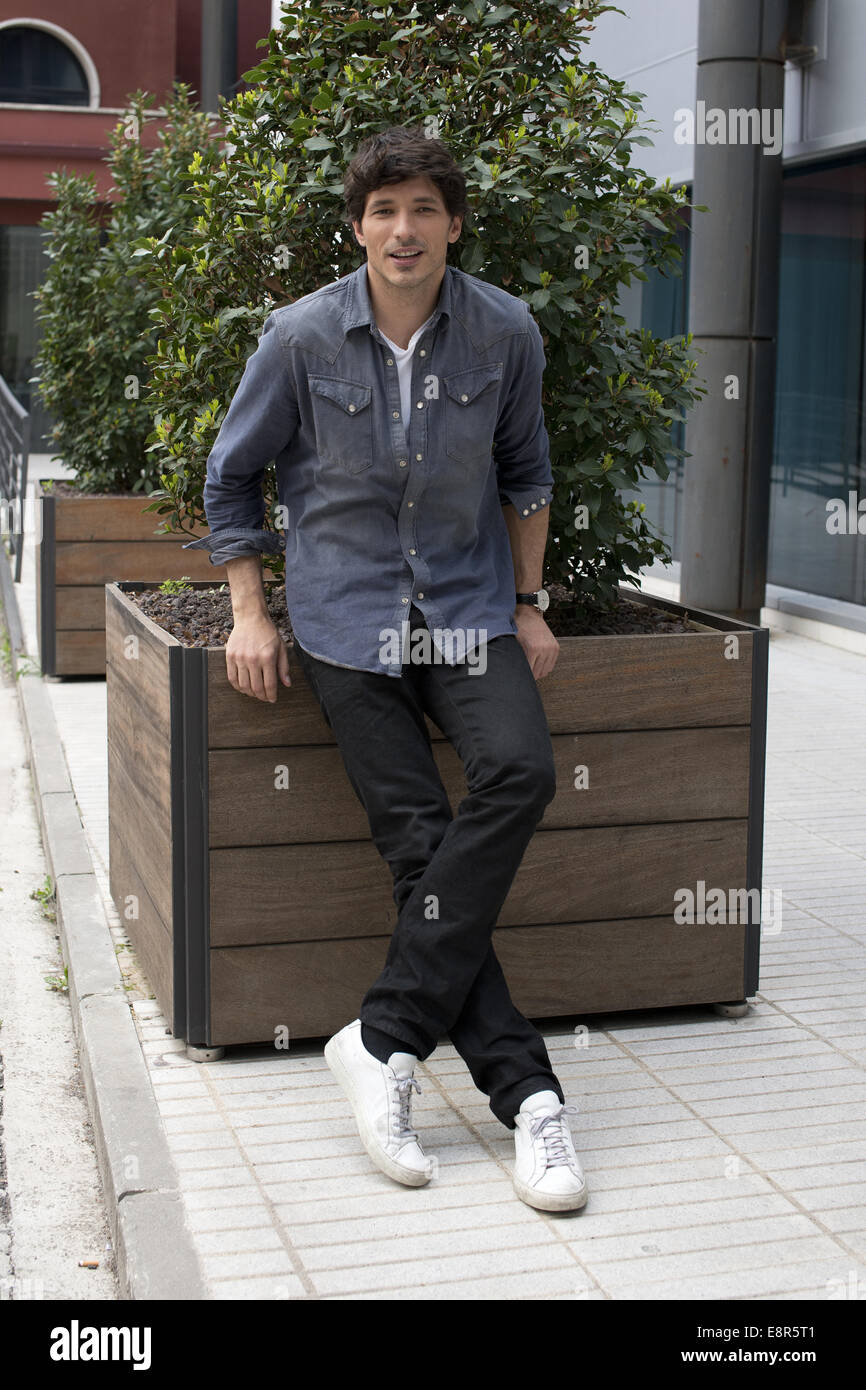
{"type": "Point", "coordinates": [547, 1173]}
{"type": "Point", "coordinates": [380, 1094]}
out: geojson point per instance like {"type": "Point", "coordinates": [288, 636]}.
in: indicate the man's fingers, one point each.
{"type": "Point", "coordinates": [283, 664]}
{"type": "Point", "coordinates": [268, 674]}
{"type": "Point", "coordinates": [257, 675]}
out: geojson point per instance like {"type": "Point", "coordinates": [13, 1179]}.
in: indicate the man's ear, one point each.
{"type": "Point", "coordinates": [356, 228]}
{"type": "Point", "coordinates": [452, 235]}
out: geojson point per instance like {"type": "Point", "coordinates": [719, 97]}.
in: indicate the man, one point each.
{"type": "Point", "coordinates": [402, 404]}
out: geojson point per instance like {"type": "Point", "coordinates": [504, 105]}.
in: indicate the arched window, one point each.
{"type": "Point", "coordinates": [39, 69]}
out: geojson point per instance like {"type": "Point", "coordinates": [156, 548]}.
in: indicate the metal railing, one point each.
{"type": "Point", "coordinates": [14, 455]}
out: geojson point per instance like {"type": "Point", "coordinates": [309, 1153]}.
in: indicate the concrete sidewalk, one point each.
{"type": "Point", "coordinates": [724, 1157]}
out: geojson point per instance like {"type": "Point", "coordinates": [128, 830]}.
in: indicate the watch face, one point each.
{"type": "Point", "coordinates": [543, 600]}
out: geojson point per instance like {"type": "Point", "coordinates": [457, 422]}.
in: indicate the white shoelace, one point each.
{"type": "Point", "coordinates": [555, 1149]}
{"type": "Point", "coordinates": [402, 1129]}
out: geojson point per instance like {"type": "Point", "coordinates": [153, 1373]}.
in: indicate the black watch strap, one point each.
{"type": "Point", "coordinates": [538, 599]}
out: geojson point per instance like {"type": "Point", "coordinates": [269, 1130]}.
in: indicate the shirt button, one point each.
{"type": "Point", "coordinates": [423, 352]}
{"type": "Point", "coordinates": [351, 408]}
{"type": "Point", "coordinates": [420, 595]}
{"type": "Point", "coordinates": [410, 504]}
{"type": "Point", "coordinates": [411, 552]}
{"type": "Point", "coordinates": [534, 506]}
{"type": "Point", "coordinates": [395, 415]}
{"type": "Point", "coordinates": [402, 463]}
{"type": "Point", "coordinates": [543, 499]}
{"type": "Point", "coordinates": [389, 361]}
{"type": "Point", "coordinates": [464, 398]}
{"type": "Point", "coordinates": [526, 511]}
{"type": "Point", "coordinates": [420, 405]}
{"type": "Point", "coordinates": [404, 600]}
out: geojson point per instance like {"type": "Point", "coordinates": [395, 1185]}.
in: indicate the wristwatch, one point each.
{"type": "Point", "coordinates": [540, 599]}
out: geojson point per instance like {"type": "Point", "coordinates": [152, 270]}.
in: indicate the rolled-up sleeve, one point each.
{"type": "Point", "coordinates": [521, 449]}
{"type": "Point", "coordinates": [258, 426]}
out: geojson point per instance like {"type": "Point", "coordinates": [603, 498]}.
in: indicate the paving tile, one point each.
{"type": "Point", "coordinates": [422, 1273]}
{"type": "Point", "coordinates": [595, 1248]}
{"type": "Point", "coordinates": [407, 1224]}
{"type": "Point", "coordinates": [764, 1282]}
{"type": "Point", "coordinates": [431, 1246]}
{"type": "Point", "coordinates": [276, 1287]}
{"type": "Point", "coordinates": [231, 1218]}
{"type": "Point", "coordinates": [254, 1263]}
{"type": "Point", "coordinates": [566, 1282]}
{"type": "Point", "coordinates": [716, 1261]}
{"type": "Point", "coordinates": [237, 1240]}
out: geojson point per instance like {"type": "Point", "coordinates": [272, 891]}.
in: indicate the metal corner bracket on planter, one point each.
{"type": "Point", "coordinates": [242, 864]}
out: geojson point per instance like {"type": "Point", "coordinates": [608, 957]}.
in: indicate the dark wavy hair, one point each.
{"type": "Point", "coordinates": [402, 152]}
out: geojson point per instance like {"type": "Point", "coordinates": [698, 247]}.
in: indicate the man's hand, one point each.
{"type": "Point", "coordinates": [255, 656]}
{"type": "Point", "coordinates": [536, 639]}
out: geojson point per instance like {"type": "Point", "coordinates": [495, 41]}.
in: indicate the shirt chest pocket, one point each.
{"type": "Point", "coordinates": [343, 421]}
{"type": "Point", "coordinates": [471, 411]}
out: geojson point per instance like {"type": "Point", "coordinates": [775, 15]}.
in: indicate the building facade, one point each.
{"type": "Point", "coordinates": [67, 69]}
{"type": "Point", "coordinates": [817, 464]}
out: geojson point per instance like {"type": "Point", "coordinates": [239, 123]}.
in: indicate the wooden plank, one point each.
{"type": "Point", "coordinates": [105, 561]}
{"type": "Point", "coordinates": [240, 721]}
{"type": "Point", "coordinates": [79, 654]}
{"type": "Point", "coordinates": [145, 829]}
{"type": "Point", "coordinates": [142, 742]}
{"type": "Point", "coordinates": [92, 518]}
{"type": "Point", "coordinates": [80, 606]}
{"type": "Point", "coordinates": [662, 681]}
{"type": "Point", "coordinates": [298, 794]}
{"type": "Point", "coordinates": [148, 932]}
{"type": "Point", "coordinates": [318, 891]}
{"type": "Point", "coordinates": [648, 681]}
{"type": "Point", "coordinates": [136, 653]}
{"type": "Point", "coordinates": [565, 970]}
{"type": "Point", "coordinates": [595, 967]}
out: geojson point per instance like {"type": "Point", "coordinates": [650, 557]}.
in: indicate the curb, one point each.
{"type": "Point", "coordinates": [156, 1257]}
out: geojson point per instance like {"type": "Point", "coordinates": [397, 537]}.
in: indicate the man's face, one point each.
{"type": "Point", "coordinates": [407, 216]}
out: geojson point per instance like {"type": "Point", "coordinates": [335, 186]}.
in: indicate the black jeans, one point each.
{"type": "Point", "coordinates": [451, 873]}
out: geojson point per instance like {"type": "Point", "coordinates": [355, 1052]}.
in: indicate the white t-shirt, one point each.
{"type": "Point", "coordinates": [403, 358]}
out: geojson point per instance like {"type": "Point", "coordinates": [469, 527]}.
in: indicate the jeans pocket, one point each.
{"type": "Point", "coordinates": [343, 419]}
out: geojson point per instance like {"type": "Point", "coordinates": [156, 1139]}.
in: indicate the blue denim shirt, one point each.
{"type": "Point", "coordinates": [378, 518]}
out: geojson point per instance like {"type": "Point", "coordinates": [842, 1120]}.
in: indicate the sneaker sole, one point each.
{"type": "Point", "coordinates": [408, 1176]}
{"type": "Point", "coordinates": [550, 1201]}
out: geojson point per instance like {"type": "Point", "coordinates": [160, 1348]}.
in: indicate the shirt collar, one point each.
{"type": "Point", "coordinates": [359, 310]}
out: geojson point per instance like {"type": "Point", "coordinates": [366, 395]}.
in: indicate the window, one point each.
{"type": "Point", "coordinates": [39, 69]}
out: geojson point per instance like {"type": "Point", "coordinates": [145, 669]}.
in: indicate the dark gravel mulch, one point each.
{"type": "Point", "coordinates": [203, 617]}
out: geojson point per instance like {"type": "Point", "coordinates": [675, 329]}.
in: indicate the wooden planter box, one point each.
{"type": "Point", "coordinates": [87, 542]}
{"type": "Point", "coordinates": [254, 908]}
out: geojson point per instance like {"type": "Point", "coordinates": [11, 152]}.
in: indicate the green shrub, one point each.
{"type": "Point", "coordinates": [545, 144]}
{"type": "Point", "coordinates": [94, 306]}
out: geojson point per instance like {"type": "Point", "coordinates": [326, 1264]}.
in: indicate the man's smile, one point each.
{"type": "Point", "coordinates": [406, 255]}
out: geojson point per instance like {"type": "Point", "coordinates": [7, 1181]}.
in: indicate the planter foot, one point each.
{"type": "Point", "coordinates": [734, 1008]}
{"type": "Point", "coordinates": [204, 1054]}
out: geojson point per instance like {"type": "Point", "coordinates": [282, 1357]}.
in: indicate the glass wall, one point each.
{"type": "Point", "coordinates": [818, 450]}
{"type": "Point", "coordinates": [819, 445]}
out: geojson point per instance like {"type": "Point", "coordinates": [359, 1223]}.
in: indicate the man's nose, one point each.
{"type": "Point", "coordinates": [404, 226]}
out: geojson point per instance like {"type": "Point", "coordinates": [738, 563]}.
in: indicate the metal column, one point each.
{"type": "Point", "coordinates": [733, 303]}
